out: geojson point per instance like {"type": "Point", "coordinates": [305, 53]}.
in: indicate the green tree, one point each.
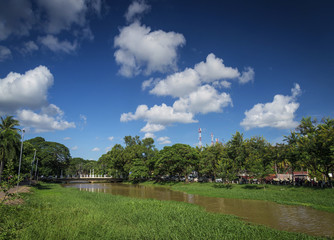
{"type": "Point", "coordinates": [212, 159]}
{"type": "Point", "coordinates": [53, 157]}
{"type": "Point", "coordinates": [9, 141]}
{"type": "Point", "coordinates": [258, 161]}
{"type": "Point", "coordinates": [236, 153]}
{"type": "Point", "coordinates": [316, 142]}
{"type": "Point", "coordinates": [179, 159]}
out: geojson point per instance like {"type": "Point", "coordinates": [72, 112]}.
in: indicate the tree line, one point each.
{"type": "Point", "coordinates": [309, 147]}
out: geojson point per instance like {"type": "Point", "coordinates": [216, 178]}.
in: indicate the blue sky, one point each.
{"type": "Point", "coordinates": [86, 73]}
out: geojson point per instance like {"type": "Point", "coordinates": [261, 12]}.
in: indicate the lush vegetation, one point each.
{"type": "Point", "coordinates": [53, 212]}
{"type": "Point", "coordinates": [310, 147]}
{"type": "Point", "coordinates": [52, 158]}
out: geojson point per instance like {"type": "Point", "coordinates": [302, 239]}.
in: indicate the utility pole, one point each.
{"type": "Point", "coordinates": [18, 177]}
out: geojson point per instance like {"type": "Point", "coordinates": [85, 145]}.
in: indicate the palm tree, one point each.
{"type": "Point", "coordinates": [9, 140]}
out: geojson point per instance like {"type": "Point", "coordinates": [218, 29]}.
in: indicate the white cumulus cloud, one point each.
{"type": "Point", "coordinates": [110, 138]}
{"type": "Point", "coordinates": [96, 149]}
{"type": "Point", "coordinates": [213, 72]}
{"type": "Point", "coordinates": [279, 113]}
{"type": "Point", "coordinates": [162, 114]}
{"type": "Point", "coordinates": [178, 84]}
{"type": "Point", "coordinates": [164, 140]}
{"type": "Point", "coordinates": [151, 127]}
{"type": "Point", "coordinates": [206, 99]}
{"type": "Point", "coordinates": [214, 69]}
{"type": "Point", "coordinates": [27, 90]}
{"type": "Point", "coordinates": [247, 75]}
{"type": "Point", "coordinates": [141, 50]}
{"type": "Point", "coordinates": [149, 135]}
{"type": "Point", "coordinates": [136, 9]}
{"type": "Point", "coordinates": [44, 121]}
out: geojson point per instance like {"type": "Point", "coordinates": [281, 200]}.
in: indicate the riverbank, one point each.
{"type": "Point", "coordinates": [317, 198]}
{"type": "Point", "coordinates": [16, 189]}
{"type": "Point", "coordinates": [54, 212]}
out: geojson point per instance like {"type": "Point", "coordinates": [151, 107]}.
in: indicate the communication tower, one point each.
{"type": "Point", "coordinates": [200, 137]}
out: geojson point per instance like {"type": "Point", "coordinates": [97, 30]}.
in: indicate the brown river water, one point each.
{"type": "Point", "coordinates": [281, 217]}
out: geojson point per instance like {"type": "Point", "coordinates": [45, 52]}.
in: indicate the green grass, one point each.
{"type": "Point", "coordinates": [54, 212]}
{"type": "Point", "coordinates": [321, 199]}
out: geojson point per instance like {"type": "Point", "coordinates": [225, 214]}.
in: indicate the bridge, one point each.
{"type": "Point", "coordinates": [86, 179]}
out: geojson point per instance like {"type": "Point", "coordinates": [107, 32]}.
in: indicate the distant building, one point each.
{"type": "Point", "coordinates": [288, 176]}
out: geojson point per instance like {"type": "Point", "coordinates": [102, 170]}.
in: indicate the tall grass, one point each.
{"type": "Point", "coordinates": [53, 212]}
{"type": "Point", "coordinates": [321, 199]}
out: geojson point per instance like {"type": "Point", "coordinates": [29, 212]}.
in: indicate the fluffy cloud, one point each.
{"type": "Point", "coordinates": [214, 69]}
{"type": "Point", "coordinates": [20, 94]}
{"type": "Point", "coordinates": [247, 75]}
{"type": "Point", "coordinates": [147, 84]}
{"type": "Point", "coordinates": [5, 53]}
{"type": "Point", "coordinates": [67, 138]}
{"type": "Point", "coordinates": [163, 115]}
{"type": "Point", "coordinates": [149, 135]}
{"type": "Point", "coordinates": [140, 49]}
{"type": "Point", "coordinates": [16, 18]}
{"type": "Point", "coordinates": [164, 140]}
{"type": "Point", "coordinates": [62, 14]}
{"type": "Point", "coordinates": [224, 84]}
{"type": "Point", "coordinates": [135, 10]}
{"type": "Point", "coordinates": [21, 17]}
{"type": "Point", "coordinates": [279, 113]}
{"type": "Point", "coordinates": [213, 72]}
{"type": "Point", "coordinates": [96, 149]}
{"type": "Point", "coordinates": [196, 90]}
{"type": "Point", "coordinates": [55, 45]}
{"type": "Point", "coordinates": [110, 138]}
{"type": "Point", "coordinates": [206, 99]}
{"type": "Point", "coordinates": [178, 84]}
{"type": "Point", "coordinates": [25, 90]}
{"type": "Point", "coordinates": [151, 127]}
{"type": "Point", "coordinates": [49, 119]}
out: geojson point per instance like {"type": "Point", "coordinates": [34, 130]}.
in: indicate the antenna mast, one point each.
{"type": "Point", "coordinates": [200, 137]}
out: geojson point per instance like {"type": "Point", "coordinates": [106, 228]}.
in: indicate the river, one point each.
{"type": "Point", "coordinates": [282, 217]}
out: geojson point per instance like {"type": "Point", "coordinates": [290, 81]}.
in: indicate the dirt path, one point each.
{"type": "Point", "coordinates": [20, 189]}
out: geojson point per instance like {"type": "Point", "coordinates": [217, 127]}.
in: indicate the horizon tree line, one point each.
{"type": "Point", "coordinates": [310, 146]}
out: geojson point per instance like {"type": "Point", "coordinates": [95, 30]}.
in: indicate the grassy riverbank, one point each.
{"type": "Point", "coordinates": [54, 212]}
{"type": "Point", "coordinates": [321, 199]}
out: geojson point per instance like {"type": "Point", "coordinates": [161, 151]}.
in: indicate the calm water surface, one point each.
{"type": "Point", "coordinates": [282, 217]}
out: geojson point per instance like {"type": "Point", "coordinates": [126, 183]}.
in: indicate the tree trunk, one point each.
{"type": "Point", "coordinates": [1, 167]}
